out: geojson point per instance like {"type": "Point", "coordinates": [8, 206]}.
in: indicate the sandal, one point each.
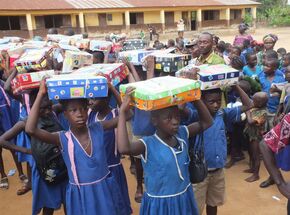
{"type": "Point", "coordinates": [4, 183]}
{"type": "Point", "coordinates": [24, 189]}
{"type": "Point", "coordinates": [23, 178]}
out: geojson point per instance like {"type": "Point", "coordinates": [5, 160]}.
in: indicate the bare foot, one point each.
{"type": "Point", "coordinates": [248, 171]}
{"type": "Point", "coordinates": [252, 178]}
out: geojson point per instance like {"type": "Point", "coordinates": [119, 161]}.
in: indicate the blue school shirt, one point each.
{"type": "Point", "coordinates": [273, 101]}
{"type": "Point", "coordinates": [248, 72]}
{"type": "Point", "coordinates": [141, 123]}
{"type": "Point", "coordinates": [215, 141]}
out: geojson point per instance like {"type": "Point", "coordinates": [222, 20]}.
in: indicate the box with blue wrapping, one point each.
{"type": "Point", "coordinates": [73, 86]}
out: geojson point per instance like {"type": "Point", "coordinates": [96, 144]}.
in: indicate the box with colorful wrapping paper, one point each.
{"type": "Point", "coordinates": [76, 59]}
{"type": "Point", "coordinates": [171, 62]}
{"type": "Point", "coordinates": [34, 59]}
{"type": "Point", "coordinates": [23, 83]}
{"type": "Point", "coordinates": [100, 45]}
{"type": "Point", "coordinates": [162, 92]}
{"type": "Point", "coordinates": [134, 56]}
{"type": "Point", "coordinates": [73, 86]}
{"type": "Point", "coordinates": [115, 73]}
{"type": "Point", "coordinates": [214, 76]}
{"type": "Point", "coordinates": [134, 44]}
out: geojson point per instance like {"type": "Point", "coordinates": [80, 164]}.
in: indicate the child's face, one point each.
{"type": "Point", "coordinates": [167, 120]}
{"type": "Point", "coordinates": [252, 61]}
{"type": "Point", "coordinates": [45, 109]}
{"type": "Point", "coordinates": [213, 102]}
{"type": "Point", "coordinates": [234, 53]}
{"type": "Point", "coordinates": [97, 104]}
{"type": "Point", "coordinates": [270, 67]}
{"type": "Point", "coordinates": [286, 61]}
{"type": "Point", "coordinates": [77, 113]}
{"type": "Point", "coordinates": [287, 74]}
{"type": "Point", "coordinates": [269, 44]}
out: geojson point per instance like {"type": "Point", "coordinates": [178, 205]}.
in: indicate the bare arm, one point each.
{"type": "Point", "coordinates": [247, 104]}
{"type": "Point", "coordinates": [150, 62]}
{"type": "Point", "coordinates": [9, 146]}
{"type": "Point", "coordinates": [124, 146]}
{"type": "Point", "coordinates": [132, 70]}
{"type": "Point", "coordinates": [106, 58]}
{"type": "Point", "coordinates": [31, 124]}
{"type": "Point", "coordinates": [205, 119]}
{"type": "Point", "coordinates": [115, 94]}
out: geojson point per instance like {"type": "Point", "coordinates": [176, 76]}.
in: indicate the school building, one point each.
{"type": "Point", "coordinates": [34, 17]}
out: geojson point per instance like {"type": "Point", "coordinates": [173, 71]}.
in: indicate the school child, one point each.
{"type": "Point", "coordinates": [84, 154]}
{"type": "Point", "coordinates": [281, 53]}
{"type": "Point", "coordinates": [164, 158]}
{"type": "Point", "coordinates": [246, 49]}
{"type": "Point", "coordinates": [252, 69]}
{"type": "Point", "coordinates": [255, 128]}
{"type": "Point", "coordinates": [267, 78]}
{"type": "Point", "coordinates": [101, 111]}
{"type": "Point", "coordinates": [211, 192]}
{"type": "Point", "coordinates": [6, 123]}
{"type": "Point", "coordinates": [46, 197]}
{"type": "Point", "coordinates": [269, 43]}
{"type": "Point", "coordinates": [285, 62]}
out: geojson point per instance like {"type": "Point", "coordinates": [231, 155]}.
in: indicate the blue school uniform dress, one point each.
{"type": "Point", "coordinates": [91, 189]}
{"type": "Point", "coordinates": [273, 101]}
{"type": "Point", "coordinates": [114, 157]}
{"type": "Point", "coordinates": [6, 121]}
{"type": "Point", "coordinates": [283, 158]}
{"type": "Point", "coordinates": [253, 74]}
{"type": "Point", "coordinates": [44, 195]}
{"type": "Point", "coordinates": [168, 188]}
{"type": "Point", "coordinates": [23, 140]}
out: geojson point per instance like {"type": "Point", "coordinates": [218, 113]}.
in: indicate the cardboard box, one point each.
{"type": "Point", "coordinates": [215, 76]}
{"type": "Point", "coordinates": [73, 86]}
{"type": "Point", "coordinates": [23, 83]}
{"type": "Point", "coordinates": [56, 37]}
{"type": "Point", "coordinates": [115, 73]}
{"type": "Point", "coordinates": [171, 62]}
{"type": "Point", "coordinates": [32, 60]}
{"type": "Point", "coordinates": [76, 59]}
{"type": "Point", "coordinates": [100, 45]}
{"type": "Point", "coordinates": [162, 92]}
{"type": "Point", "coordinates": [81, 44]}
{"type": "Point", "coordinates": [135, 56]}
{"type": "Point", "coordinates": [134, 44]}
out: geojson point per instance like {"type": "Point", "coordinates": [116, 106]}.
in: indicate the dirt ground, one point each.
{"type": "Point", "coordinates": [242, 198]}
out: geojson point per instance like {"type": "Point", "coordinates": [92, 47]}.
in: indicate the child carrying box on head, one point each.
{"type": "Point", "coordinates": [164, 158]}
{"type": "Point", "coordinates": [211, 192]}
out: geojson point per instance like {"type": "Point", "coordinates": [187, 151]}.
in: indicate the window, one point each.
{"type": "Point", "coordinates": [109, 17]}
{"type": "Point", "coordinates": [236, 14]}
{"type": "Point", "coordinates": [210, 15]}
{"type": "Point", "coordinates": [53, 21]}
{"type": "Point", "coordinates": [136, 18]}
{"type": "Point", "coordinates": [9, 23]}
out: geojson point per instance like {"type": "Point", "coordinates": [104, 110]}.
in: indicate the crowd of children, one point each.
{"type": "Point", "coordinates": [88, 137]}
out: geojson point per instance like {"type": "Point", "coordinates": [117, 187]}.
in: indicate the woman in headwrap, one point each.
{"type": "Point", "coordinates": [239, 39]}
{"type": "Point", "coordinates": [269, 43]}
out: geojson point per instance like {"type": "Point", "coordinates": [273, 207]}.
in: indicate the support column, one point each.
{"type": "Point", "coordinates": [254, 15]}
{"type": "Point", "coordinates": [189, 20]}
{"type": "Point", "coordinates": [228, 17]}
{"type": "Point", "coordinates": [243, 13]}
{"type": "Point", "coordinates": [82, 22]}
{"type": "Point", "coordinates": [127, 20]}
{"type": "Point", "coordinates": [162, 20]}
{"type": "Point", "coordinates": [29, 24]}
{"type": "Point", "coordinates": [199, 19]}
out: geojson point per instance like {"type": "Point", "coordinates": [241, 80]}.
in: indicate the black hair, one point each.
{"type": "Point", "coordinates": [248, 55]}
{"type": "Point", "coordinates": [171, 42]}
{"type": "Point", "coordinates": [65, 103]}
{"type": "Point", "coordinates": [207, 33]}
{"type": "Point", "coordinates": [282, 51]}
{"type": "Point", "coordinates": [212, 91]}
{"type": "Point", "coordinates": [99, 55]}
{"type": "Point", "coordinates": [246, 43]}
{"type": "Point", "coordinates": [69, 32]}
{"type": "Point", "coordinates": [287, 56]}
{"type": "Point", "coordinates": [274, 60]}
{"type": "Point", "coordinates": [271, 54]}
{"type": "Point", "coordinates": [237, 63]}
{"type": "Point", "coordinates": [221, 46]}
{"type": "Point", "coordinates": [52, 31]}
{"type": "Point", "coordinates": [237, 48]}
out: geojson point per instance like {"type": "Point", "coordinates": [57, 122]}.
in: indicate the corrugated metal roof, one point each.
{"type": "Point", "coordinates": [34, 5]}
{"type": "Point", "coordinates": [24, 5]}
{"type": "Point", "coordinates": [99, 4]}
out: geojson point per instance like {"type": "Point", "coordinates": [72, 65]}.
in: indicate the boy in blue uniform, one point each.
{"type": "Point", "coordinates": [212, 190]}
